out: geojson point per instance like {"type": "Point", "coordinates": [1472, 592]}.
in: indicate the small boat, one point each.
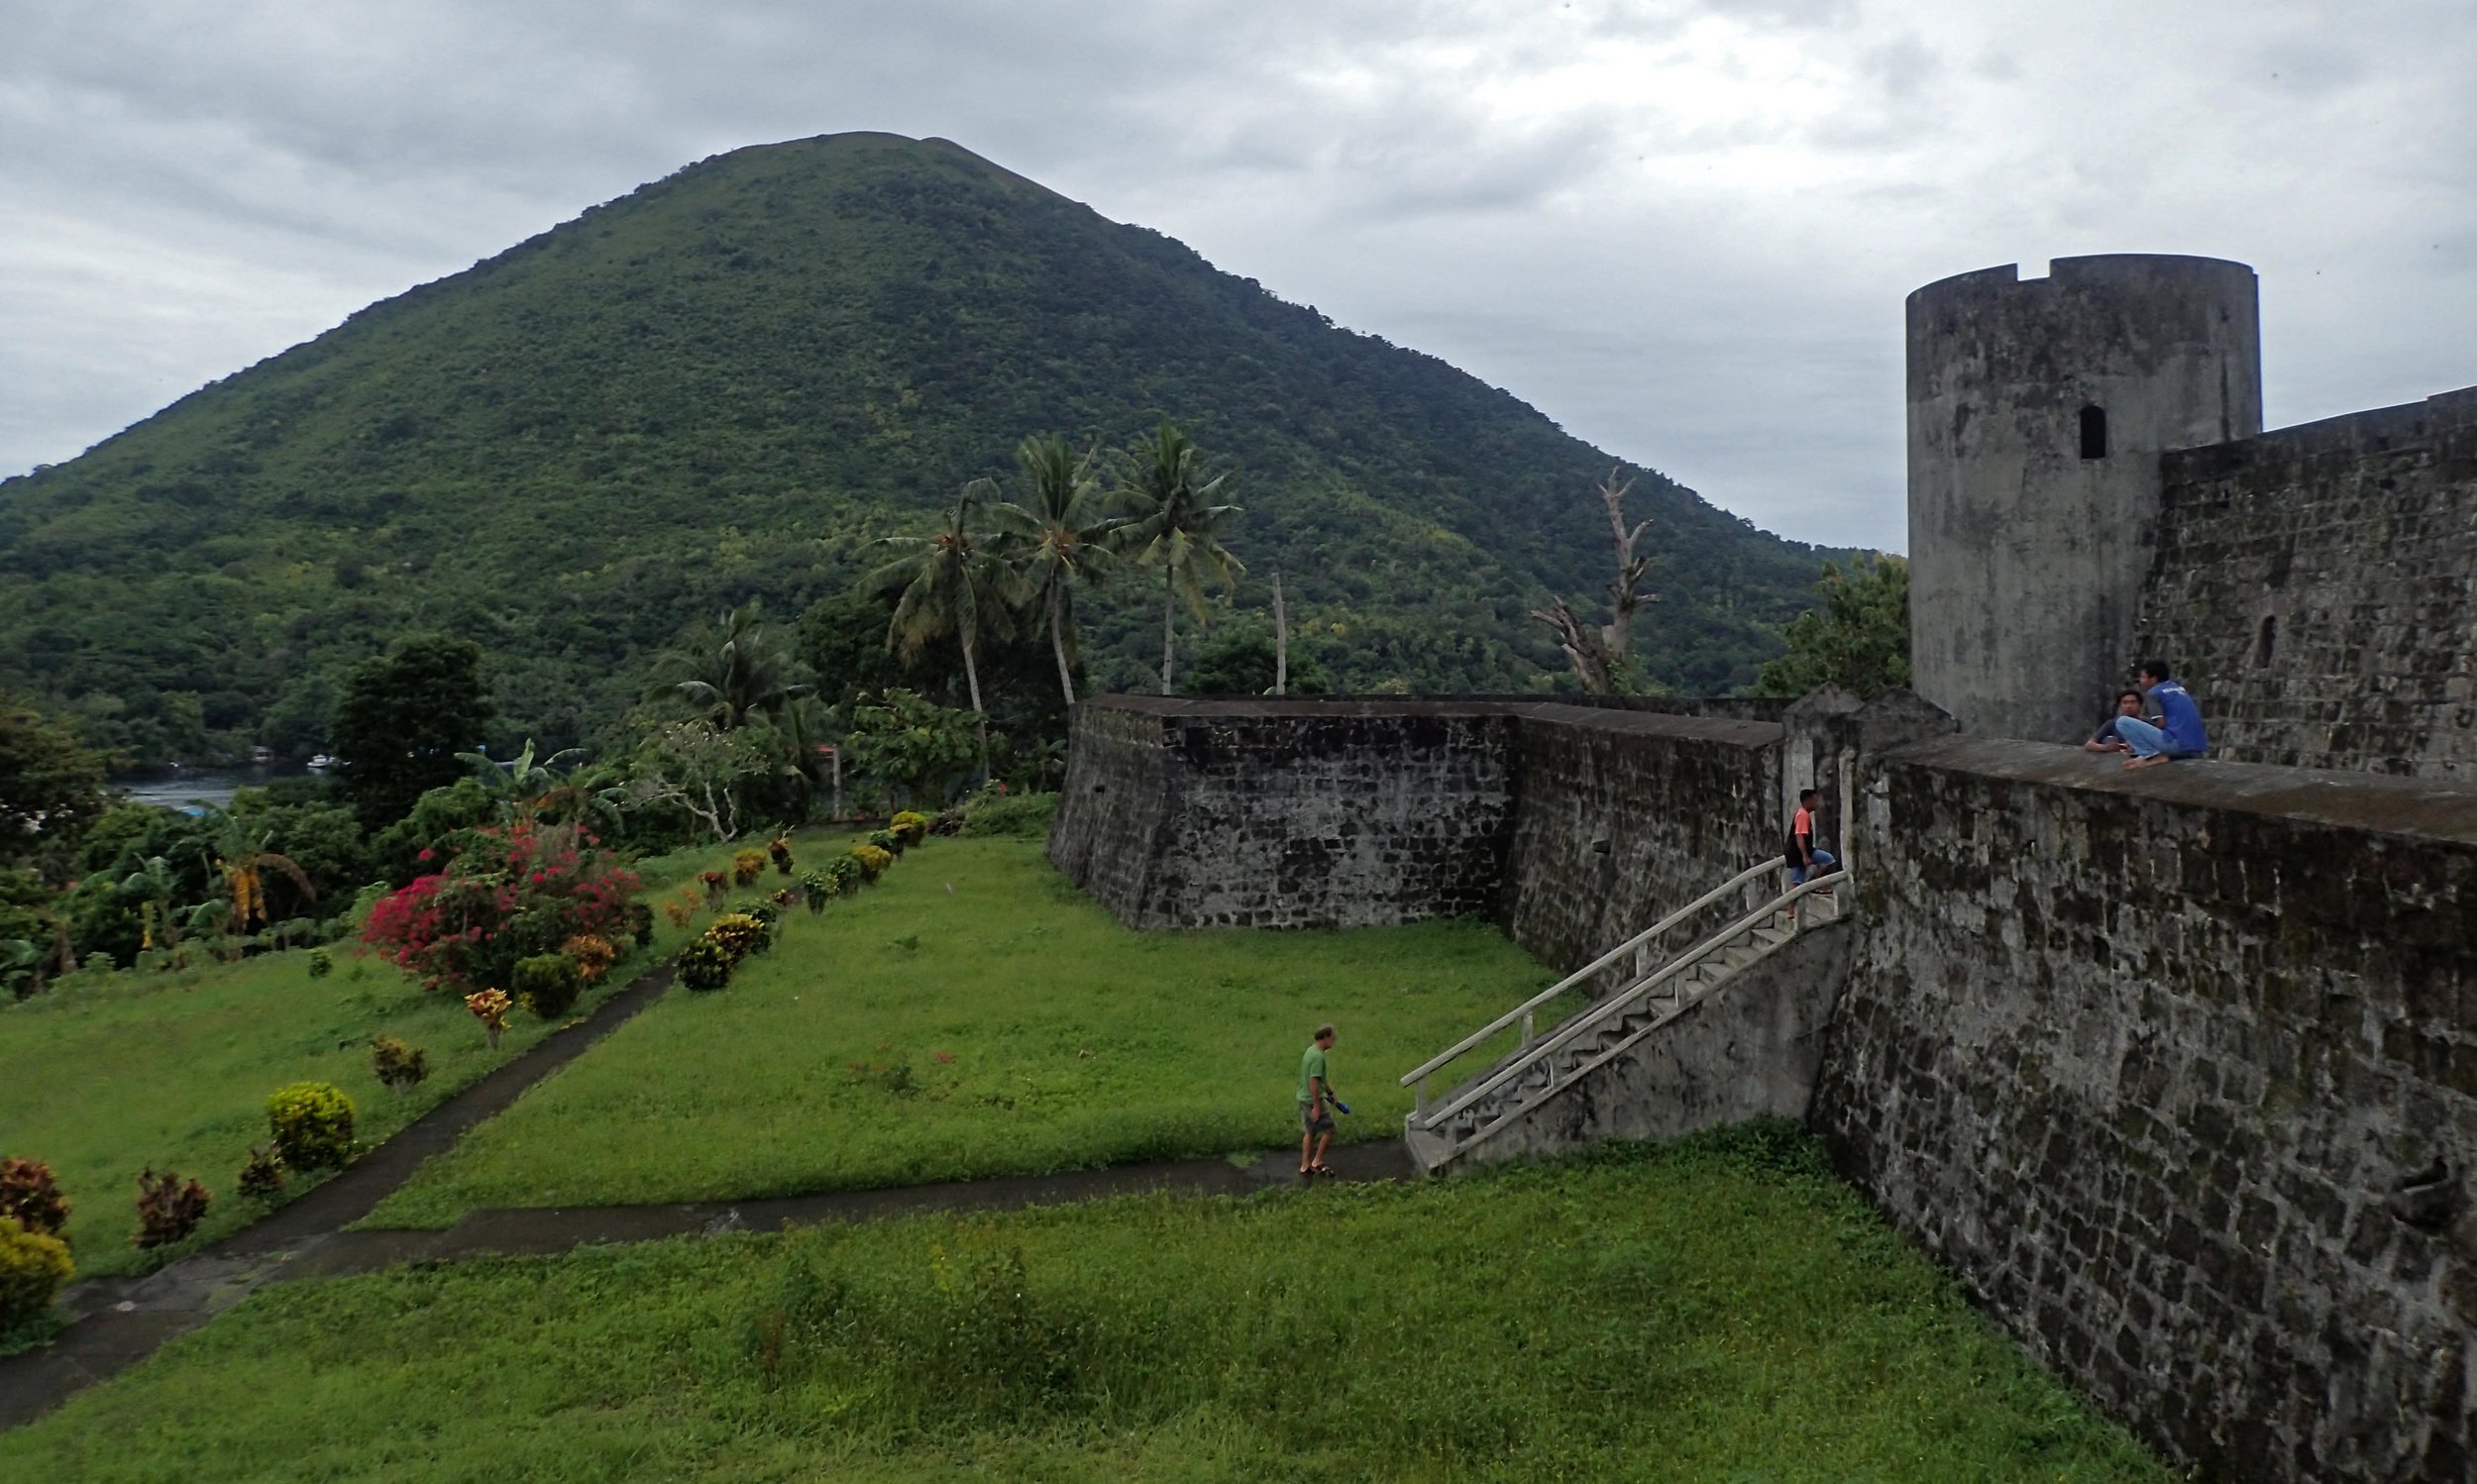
{"type": "Point", "coordinates": [320, 763]}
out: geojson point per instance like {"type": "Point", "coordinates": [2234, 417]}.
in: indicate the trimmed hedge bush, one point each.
{"type": "Point", "coordinates": [702, 965]}
{"type": "Point", "coordinates": [262, 1176]}
{"type": "Point", "coordinates": [738, 935]}
{"type": "Point", "coordinates": [312, 1123]}
{"type": "Point", "coordinates": [30, 1197]}
{"type": "Point", "coordinates": [399, 1065]}
{"type": "Point", "coordinates": [168, 1208]}
{"type": "Point", "coordinates": [547, 984]}
{"type": "Point", "coordinates": [34, 1267]}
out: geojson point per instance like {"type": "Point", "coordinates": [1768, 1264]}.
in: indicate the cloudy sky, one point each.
{"type": "Point", "coordinates": [1684, 229]}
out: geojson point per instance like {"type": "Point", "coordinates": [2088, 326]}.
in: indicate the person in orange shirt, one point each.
{"type": "Point", "coordinates": [1805, 857]}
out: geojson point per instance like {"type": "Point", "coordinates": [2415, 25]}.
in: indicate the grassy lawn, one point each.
{"type": "Point", "coordinates": [974, 1015]}
{"type": "Point", "coordinates": [1719, 1310]}
{"type": "Point", "coordinates": [104, 1078]}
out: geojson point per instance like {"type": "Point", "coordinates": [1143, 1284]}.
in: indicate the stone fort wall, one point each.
{"type": "Point", "coordinates": [2177, 1072]}
{"type": "Point", "coordinates": [1571, 824]}
{"type": "Point", "coordinates": [2316, 588]}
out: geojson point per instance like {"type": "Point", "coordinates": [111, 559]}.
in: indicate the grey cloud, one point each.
{"type": "Point", "coordinates": [1691, 246]}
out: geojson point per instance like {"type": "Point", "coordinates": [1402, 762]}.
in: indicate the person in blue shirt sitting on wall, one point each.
{"type": "Point", "coordinates": [2178, 732]}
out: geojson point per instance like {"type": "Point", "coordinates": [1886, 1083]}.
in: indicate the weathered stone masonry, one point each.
{"type": "Point", "coordinates": [2319, 588]}
{"type": "Point", "coordinates": [1568, 822]}
{"type": "Point", "coordinates": [2177, 1071]}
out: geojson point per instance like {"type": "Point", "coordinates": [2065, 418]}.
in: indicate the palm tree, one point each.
{"type": "Point", "coordinates": [1176, 527]}
{"type": "Point", "coordinates": [951, 583]}
{"type": "Point", "coordinates": [728, 682]}
{"type": "Point", "coordinates": [1059, 537]}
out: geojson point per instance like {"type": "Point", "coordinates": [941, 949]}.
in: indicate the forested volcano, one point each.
{"type": "Point", "coordinates": [728, 384]}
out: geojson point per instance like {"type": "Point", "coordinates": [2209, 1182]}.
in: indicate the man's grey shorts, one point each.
{"type": "Point", "coordinates": [1309, 1120]}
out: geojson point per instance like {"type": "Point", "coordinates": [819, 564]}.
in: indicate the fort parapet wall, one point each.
{"type": "Point", "coordinates": [1571, 824]}
{"type": "Point", "coordinates": [2177, 1071]}
{"type": "Point", "coordinates": [2317, 589]}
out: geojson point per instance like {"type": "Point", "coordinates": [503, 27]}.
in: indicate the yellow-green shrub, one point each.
{"type": "Point", "coordinates": [747, 866]}
{"type": "Point", "coordinates": [910, 827]}
{"type": "Point", "coordinates": [873, 860]}
{"type": "Point", "coordinates": [737, 935]}
{"type": "Point", "coordinates": [312, 1123]}
{"type": "Point", "coordinates": [34, 1268]}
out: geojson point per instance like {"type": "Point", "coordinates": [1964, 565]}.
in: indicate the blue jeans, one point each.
{"type": "Point", "coordinates": [1824, 862]}
{"type": "Point", "coordinates": [2147, 741]}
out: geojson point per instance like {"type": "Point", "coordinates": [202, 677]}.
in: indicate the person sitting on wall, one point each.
{"type": "Point", "coordinates": [2129, 702]}
{"type": "Point", "coordinates": [1805, 857]}
{"type": "Point", "coordinates": [2178, 732]}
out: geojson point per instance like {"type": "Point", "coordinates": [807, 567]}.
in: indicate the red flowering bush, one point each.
{"type": "Point", "coordinates": [516, 893]}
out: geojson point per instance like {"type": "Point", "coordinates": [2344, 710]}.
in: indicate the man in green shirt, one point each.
{"type": "Point", "coordinates": [1315, 1091]}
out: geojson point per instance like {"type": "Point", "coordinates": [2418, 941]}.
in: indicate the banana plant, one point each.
{"type": "Point", "coordinates": [525, 786]}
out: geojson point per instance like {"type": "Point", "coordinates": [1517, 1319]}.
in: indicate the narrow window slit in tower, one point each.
{"type": "Point", "coordinates": [2094, 432]}
{"type": "Point", "coordinates": [2268, 640]}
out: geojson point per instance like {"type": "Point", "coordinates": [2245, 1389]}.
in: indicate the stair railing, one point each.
{"type": "Point", "coordinates": [1417, 1078]}
{"type": "Point", "coordinates": [1590, 1018]}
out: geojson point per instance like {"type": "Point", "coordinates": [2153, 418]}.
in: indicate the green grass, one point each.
{"type": "Point", "coordinates": [1721, 1309]}
{"type": "Point", "coordinates": [1007, 1025]}
{"type": "Point", "coordinates": [102, 1078]}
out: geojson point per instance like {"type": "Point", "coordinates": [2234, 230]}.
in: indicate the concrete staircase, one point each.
{"type": "Point", "coordinates": [1655, 988]}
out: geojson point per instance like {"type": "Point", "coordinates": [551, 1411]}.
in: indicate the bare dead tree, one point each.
{"type": "Point", "coordinates": [1585, 648]}
{"type": "Point", "coordinates": [1623, 593]}
{"type": "Point", "coordinates": [1598, 654]}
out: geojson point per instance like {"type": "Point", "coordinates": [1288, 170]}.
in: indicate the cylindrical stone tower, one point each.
{"type": "Point", "coordinates": [2038, 411]}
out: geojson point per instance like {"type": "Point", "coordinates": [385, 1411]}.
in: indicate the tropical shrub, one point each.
{"type": "Point", "coordinates": [704, 965]}
{"type": "Point", "coordinates": [262, 1175]}
{"type": "Point", "coordinates": [780, 899]}
{"type": "Point", "coordinates": [312, 1123]}
{"type": "Point", "coordinates": [909, 826]}
{"type": "Point", "coordinates": [641, 923]}
{"type": "Point", "coordinates": [400, 1067]}
{"type": "Point", "coordinates": [489, 1006]}
{"type": "Point", "coordinates": [778, 849]}
{"type": "Point", "coordinates": [547, 984]}
{"type": "Point", "coordinates": [816, 887]}
{"type": "Point", "coordinates": [593, 954]}
{"type": "Point", "coordinates": [30, 1197]}
{"type": "Point", "coordinates": [320, 963]}
{"type": "Point", "coordinates": [716, 882]}
{"type": "Point", "coordinates": [873, 861]}
{"type": "Point", "coordinates": [846, 873]}
{"type": "Point", "coordinates": [167, 1209]}
{"type": "Point", "coordinates": [737, 935]}
{"type": "Point", "coordinates": [746, 867]}
{"type": "Point", "coordinates": [524, 893]}
{"type": "Point", "coordinates": [34, 1267]}
{"type": "Point", "coordinates": [885, 840]}
{"type": "Point", "coordinates": [1023, 816]}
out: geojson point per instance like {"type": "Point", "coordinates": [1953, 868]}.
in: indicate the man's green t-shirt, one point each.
{"type": "Point", "coordinates": [1312, 1065]}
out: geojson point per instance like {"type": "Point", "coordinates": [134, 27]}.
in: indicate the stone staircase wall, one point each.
{"type": "Point", "coordinates": [1751, 1048]}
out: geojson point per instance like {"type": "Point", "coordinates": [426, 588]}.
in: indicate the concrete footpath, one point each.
{"type": "Point", "coordinates": [117, 1322]}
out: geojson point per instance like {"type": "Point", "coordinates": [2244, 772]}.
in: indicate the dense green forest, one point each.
{"type": "Point", "coordinates": [728, 385]}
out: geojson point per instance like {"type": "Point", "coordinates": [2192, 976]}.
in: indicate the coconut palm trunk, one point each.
{"type": "Point", "coordinates": [1170, 618]}
{"type": "Point", "coordinates": [1057, 640]}
{"type": "Point", "coordinates": [980, 718]}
